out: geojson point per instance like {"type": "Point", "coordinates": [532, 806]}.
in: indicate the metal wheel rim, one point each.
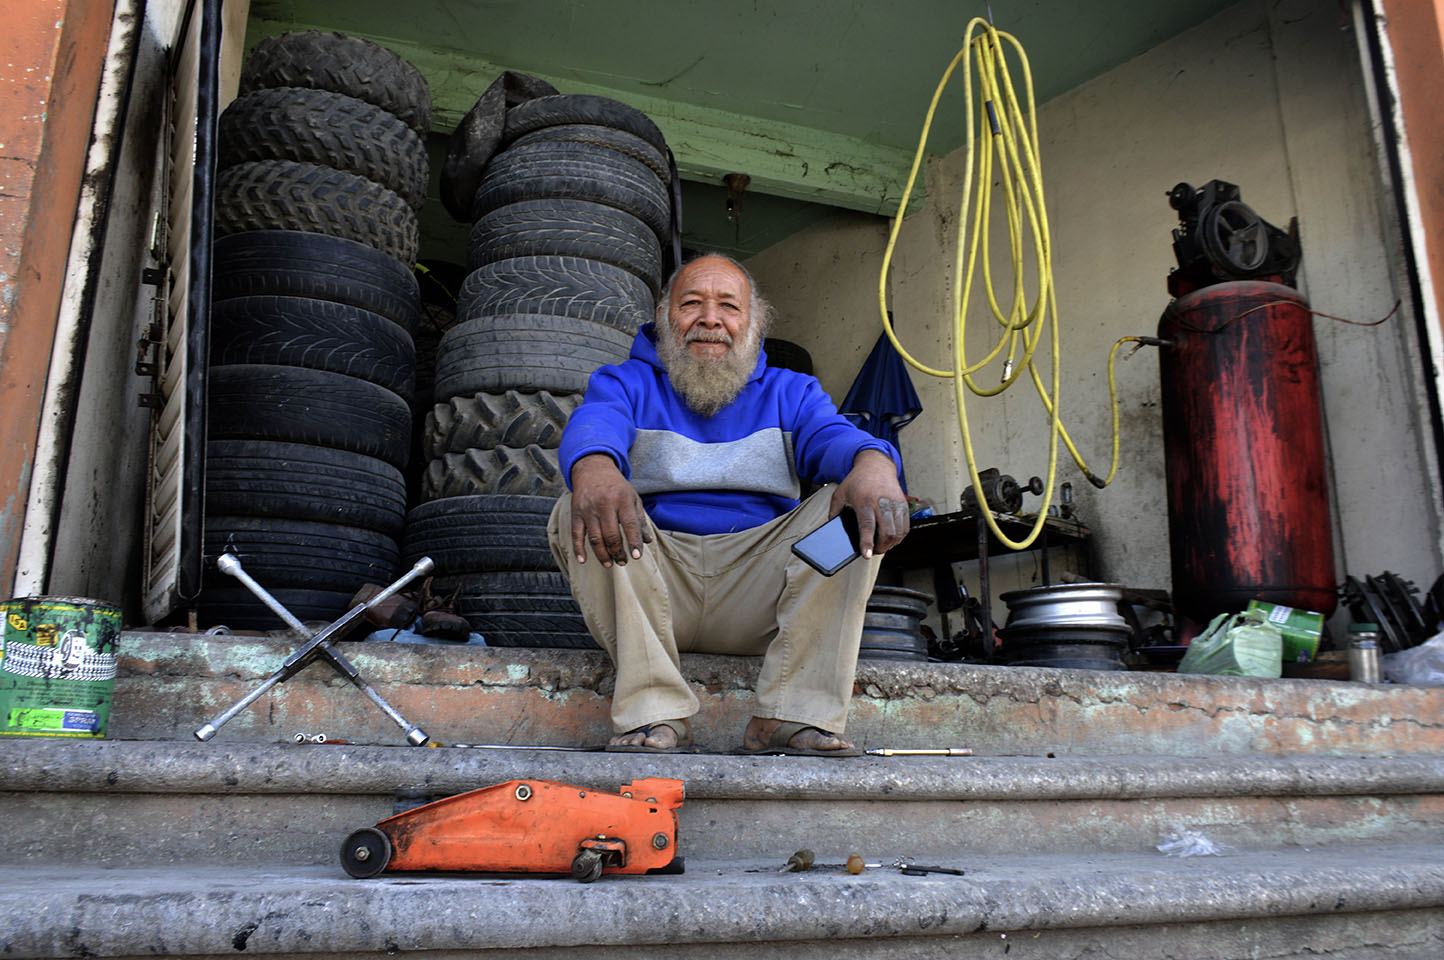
{"type": "Point", "coordinates": [1066, 605]}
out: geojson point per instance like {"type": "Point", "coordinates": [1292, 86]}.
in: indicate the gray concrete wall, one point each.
{"type": "Point", "coordinates": [1266, 95]}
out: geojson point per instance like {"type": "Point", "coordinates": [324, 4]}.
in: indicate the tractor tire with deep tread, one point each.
{"type": "Point", "coordinates": [300, 554]}
{"type": "Point", "coordinates": [568, 228]}
{"type": "Point", "coordinates": [284, 195]}
{"type": "Point", "coordinates": [484, 420]}
{"type": "Point", "coordinates": [294, 263]}
{"type": "Point", "coordinates": [530, 471]}
{"type": "Point", "coordinates": [298, 481]}
{"type": "Point", "coordinates": [298, 405]}
{"type": "Point", "coordinates": [575, 171]}
{"type": "Point", "coordinates": [529, 352]}
{"type": "Point", "coordinates": [350, 65]}
{"type": "Point", "coordinates": [298, 332]}
{"type": "Point", "coordinates": [318, 126]}
{"type": "Point", "coordinates": [559, 286]}
{"type": "Point", "coordinates": [613, 139]}
{"type": "Point", "coordinates": [568, 108]}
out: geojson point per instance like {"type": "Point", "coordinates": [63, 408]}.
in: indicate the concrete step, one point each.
{"type": "Point", "coordinates": [171, 684]}
{"type": "Point", "coordinates": [119, 803]}
{"type": "Point", "coordinates": [1342, 902]}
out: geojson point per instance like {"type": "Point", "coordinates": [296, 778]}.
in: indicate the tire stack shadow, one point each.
{"type": "Point", "coordinates": [566, 262]}
{"type": "Point", "coordinates": [322, 170]}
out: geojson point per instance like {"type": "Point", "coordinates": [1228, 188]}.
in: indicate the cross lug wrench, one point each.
{"type": "Point", "coordinates": [318, 646]}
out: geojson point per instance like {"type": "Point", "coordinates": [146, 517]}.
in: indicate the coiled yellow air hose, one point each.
{"type": "Point", "coordinates": [1013, 136]}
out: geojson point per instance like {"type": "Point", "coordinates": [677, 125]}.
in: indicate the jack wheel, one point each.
{"type": "Point", "coordinates": [366, 853]}
{"type": "Point", "coordinates": [587, 867]}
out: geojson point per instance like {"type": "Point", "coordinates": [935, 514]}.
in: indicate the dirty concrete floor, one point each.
{"type": "Point", "coordinates": [189, 909]}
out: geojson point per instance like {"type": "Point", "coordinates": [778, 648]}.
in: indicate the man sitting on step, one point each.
{"type": "Point", "coordinates": [684, 465]}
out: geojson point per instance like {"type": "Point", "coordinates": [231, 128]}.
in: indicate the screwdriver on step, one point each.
{"type": "Point", "coordinates": [943, 752]}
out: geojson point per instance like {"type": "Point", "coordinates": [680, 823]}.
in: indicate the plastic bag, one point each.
{"type": "Point", "coordinates": [1236, 645]}
{"type": "Point", "coordinates": [1422, 666]}
{"type": "Point", "coordinates": [1183, 842]}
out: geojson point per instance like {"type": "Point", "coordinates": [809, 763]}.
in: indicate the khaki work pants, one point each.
{"type": "Point", "coordinates": [741, 593]}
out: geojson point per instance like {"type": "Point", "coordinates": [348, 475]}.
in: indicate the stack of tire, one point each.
{"type": "Point", "coordinates": [565, 255]}
{"type": "Point", "coordinates": [321, 170]}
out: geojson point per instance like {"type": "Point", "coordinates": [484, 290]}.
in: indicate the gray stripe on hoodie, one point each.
{"type": "Point", "coordinates": [666, 462]}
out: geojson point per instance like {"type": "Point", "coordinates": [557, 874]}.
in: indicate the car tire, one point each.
{"type": "Point", "coordinates": [342, 64]}
{"type": "Point", "coordinates": [285, 195]}
{"type": "Point", "coordinates": [296, 263]}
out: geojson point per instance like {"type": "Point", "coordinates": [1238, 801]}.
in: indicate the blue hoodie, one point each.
{"type": "Point", "coordinates": [705, 475]}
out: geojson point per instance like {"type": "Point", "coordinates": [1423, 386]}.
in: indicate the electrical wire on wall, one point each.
{"type": "Point", "coordinates": [1002, 141]}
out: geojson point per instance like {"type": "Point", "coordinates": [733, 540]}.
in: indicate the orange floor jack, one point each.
{"type": "Point", "coordinates": [529, 826]}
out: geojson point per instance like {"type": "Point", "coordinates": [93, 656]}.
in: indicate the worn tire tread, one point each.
{"type": "Point", "coordinates": [569, 108]}
{"type": "Point", "coordinates": [300, 554]}
{"type": "Point", "coordinates": [528, 352]}
{"type": "Point", "coordinates": [578, 229]}
{"type": "Point", "coordinates": [559, 286]}
{"type": "Point", "coordinates": [263, 478]}
{"type": "Point", "coordinates": [318, 126]}
{"type": "Point", "coordinates": [334, 61]}
{"type": "Point", "coordinates": [299, 332]}
{"type": "Point", "coordinates": [574, 171]}
{"type": "Point", "coordinates": [299, 405]}
{"type": "Point", "coordinates": [286, 195]}
{"type": "Point", "coordinates": [295, 263]}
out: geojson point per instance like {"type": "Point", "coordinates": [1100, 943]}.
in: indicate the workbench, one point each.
{"type": "Point", "coordinates": [938, 542]}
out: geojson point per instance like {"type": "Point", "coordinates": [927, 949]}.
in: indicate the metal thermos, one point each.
{"type": "Point", "coordinates": [1364, 653]}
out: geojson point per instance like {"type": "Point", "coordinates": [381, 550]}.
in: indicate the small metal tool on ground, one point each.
{"type": "Point", "coordinates": [918, 870]}
{"type": "Point", "coordinates": [318, 646]}
{"type": "Point", "coordinates": [799, 861]}
{"type": "Point", "coordinates": [942, 752]}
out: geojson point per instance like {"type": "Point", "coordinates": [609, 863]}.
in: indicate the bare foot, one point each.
{"type": "Point", "coordinates": [657, 736]}
{"type": "Point", "coordinates": [759, 732]}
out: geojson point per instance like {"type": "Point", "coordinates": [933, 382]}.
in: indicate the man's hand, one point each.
{"type": "Point", "coordinates": [872, 490]}
{"type": "Point", "coordinates": [606, 512]}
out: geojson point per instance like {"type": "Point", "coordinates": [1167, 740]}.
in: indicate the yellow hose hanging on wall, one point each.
{"type": "Point", "coordinates": [1011, 135]}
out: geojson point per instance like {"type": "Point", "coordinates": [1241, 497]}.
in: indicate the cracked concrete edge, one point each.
{"type": "Point", "coordinates": [254, 658]}
{"type": "Point", "coordinates": [170, 684]}
{"type": "Point", "coordinates": [112, 766]}
{"type": "Point", "coordinates": [271, 915]}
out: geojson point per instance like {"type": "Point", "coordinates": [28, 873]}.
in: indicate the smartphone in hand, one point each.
{"type": "Point", "coordinates": [831, 546]}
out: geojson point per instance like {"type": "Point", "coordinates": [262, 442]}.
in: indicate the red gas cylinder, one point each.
{"type": "Point", "coordinates": [1248, 505]}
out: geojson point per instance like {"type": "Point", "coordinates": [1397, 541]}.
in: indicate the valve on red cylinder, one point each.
{"type": "Point", "coordinates": [1220, 238]}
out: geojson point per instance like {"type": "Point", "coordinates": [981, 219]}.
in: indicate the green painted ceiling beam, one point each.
{"type": "Point", "coordinates": [782, 159]}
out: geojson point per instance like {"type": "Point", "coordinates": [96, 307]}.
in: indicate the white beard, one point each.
{"type": "Point", "coordinates": [708, 384]}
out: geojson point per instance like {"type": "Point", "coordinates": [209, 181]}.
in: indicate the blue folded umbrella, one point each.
{"type": "Point", "coordinates": [882, 400]}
